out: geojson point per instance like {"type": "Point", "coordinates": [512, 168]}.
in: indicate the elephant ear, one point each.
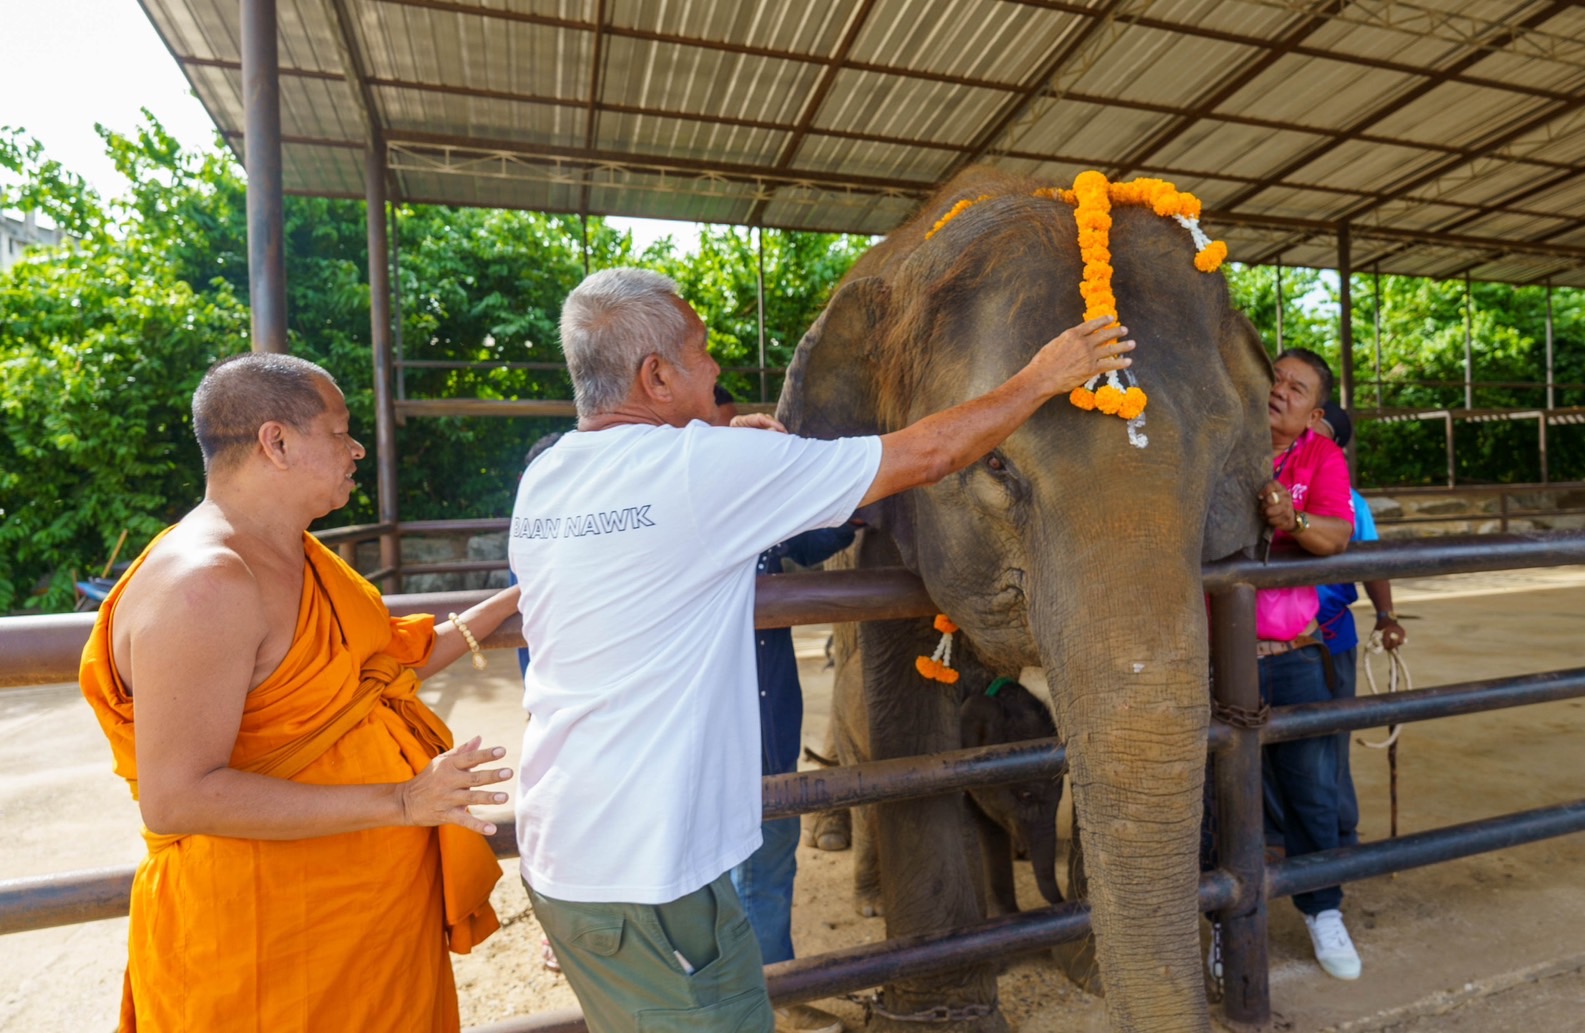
{"type": "Point", "coordinates": [1233, 522]}
{"type": "Point", "coordinates": [979, 720]}
{"type": "Point", "coordinates": [830, 390]}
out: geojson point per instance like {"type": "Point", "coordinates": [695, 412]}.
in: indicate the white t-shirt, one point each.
{"type": "Point", "coordinates": [635, 547]}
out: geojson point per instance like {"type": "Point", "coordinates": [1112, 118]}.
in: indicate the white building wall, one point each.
{"type": "Point", "coordinates": [19, 234]}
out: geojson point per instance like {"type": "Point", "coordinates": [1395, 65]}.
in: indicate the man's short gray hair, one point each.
{"type": "Point", "coordinates": [240, 394]}
{"type": "Point", "coordinates": [609, 324]}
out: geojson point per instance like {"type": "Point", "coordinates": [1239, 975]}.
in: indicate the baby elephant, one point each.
{"type": "Point", "coordinates": [1017, 815]}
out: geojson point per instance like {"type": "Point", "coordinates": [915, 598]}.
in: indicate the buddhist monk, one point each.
{"type": "Point", "coordinates": [311, 851]}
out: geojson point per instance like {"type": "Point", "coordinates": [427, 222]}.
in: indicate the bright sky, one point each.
{"type": "Point", "coordinates": [67, 64]}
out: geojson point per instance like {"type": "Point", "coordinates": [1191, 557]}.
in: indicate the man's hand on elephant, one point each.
{"type": "Point", "coordinates": [1073, 357]}
{"type": "Point", "coordinates": [758, 421]}
{"type": "Point", "coordinates": [1277, 506]}
{"type": "Point", "coordinates": [947, 441]}
{"type": "Point", "coordinates": [442, 793]}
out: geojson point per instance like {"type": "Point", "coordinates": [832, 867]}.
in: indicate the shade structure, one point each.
{"type": "Point", "coordinates": [1449, 134]}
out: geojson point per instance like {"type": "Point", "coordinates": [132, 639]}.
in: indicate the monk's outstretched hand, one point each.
{"type": "Point", "coordinates": [442, 793]}
{"type": "Point", "coordinates": [1071, 358]}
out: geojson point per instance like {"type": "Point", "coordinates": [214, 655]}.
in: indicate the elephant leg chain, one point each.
{"type": "Point", "coordinates": [941, 1013]}
{"type": "Point", "coordinates": [1240, 717]}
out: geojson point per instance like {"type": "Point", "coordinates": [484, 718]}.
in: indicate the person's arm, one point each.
{"type": "Point", "coordinates": [945, 442]}
{"type": "Point", "coordinates": [1316, 534]}
{"type": "Point", "coordinates": [1392, 633]}
{"type": "Point", "coordinates": [820, 544]}
{"type": "Point", "coordinates": [190, 690]}
{"type": "Point", "coordinates": [482, 619]}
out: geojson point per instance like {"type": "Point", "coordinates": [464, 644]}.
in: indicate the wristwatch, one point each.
{"type": "Point", "coordinates": [1386, 616]}
{"type": "Point", "coordinates": [1301, 522]}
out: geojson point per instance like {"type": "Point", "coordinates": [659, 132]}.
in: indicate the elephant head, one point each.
{"type": "Point", "coordinates": [1024, 812]}
{"type": "Point", "coordinates": [1070, 547]}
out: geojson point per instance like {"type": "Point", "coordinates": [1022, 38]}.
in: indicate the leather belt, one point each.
{"type": "Point", "coordinates": [1276, 647]}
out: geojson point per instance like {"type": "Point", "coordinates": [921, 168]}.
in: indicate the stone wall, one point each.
{"type": "Point", "coordinates": [1560, 508]}
{"type": "Point", "coordinates": [445, 549]}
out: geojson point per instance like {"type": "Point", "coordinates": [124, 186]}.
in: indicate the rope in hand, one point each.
{"type": "Point", "coordinates": [1397, 671]}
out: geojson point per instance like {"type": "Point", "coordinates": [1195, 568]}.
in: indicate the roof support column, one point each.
{"type": "Point", "coordinates": [261, 102]}
{"type": "Point", "coordinates": [1345, 329]}
{"type": "Point", "coordinates": [1376, 306]}
{"type": "Point", "coordinates": [1279, 304]}
{"type": "Point", "coordinates": [1551, 399]}
{"type": "Point", "coordinates": [380, 344]}
{"type": "Point", "coordinates": [764, 383]}
{"type": "Point", "coordinates": [1469, 349]}
{"type": "Point", "coordinates": [1345, 316]}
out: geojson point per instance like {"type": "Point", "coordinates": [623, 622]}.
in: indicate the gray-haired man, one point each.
{"type": "Point", "coordinates": [635, 541]}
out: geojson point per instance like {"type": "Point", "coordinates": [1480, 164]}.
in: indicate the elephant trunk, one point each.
{"type": "Point", "coordinates": [1134, 708]}
{"type": "Point", "coordinates": [1043, 853]}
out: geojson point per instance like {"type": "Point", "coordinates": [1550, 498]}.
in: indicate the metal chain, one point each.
{"type": "Point", "coordinates": [871, 1003]}
{"type": "Point", "coordinates": [1240, 717]}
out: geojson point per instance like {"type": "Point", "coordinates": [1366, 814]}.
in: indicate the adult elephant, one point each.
{"type": "Point", "coordinates": [1075, 546]}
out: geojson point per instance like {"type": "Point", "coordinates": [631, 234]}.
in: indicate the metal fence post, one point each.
{"type": "Point", "coordinates": [261, 112]}
{"type": "Point", "coordinates": [1240, 830]}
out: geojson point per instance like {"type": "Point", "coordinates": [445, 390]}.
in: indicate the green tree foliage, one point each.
{"type": "Point", "coordinates": [1422, 341]}
{"type": "Point", "coordinates": [101, 344]}
{"type": "Point", "coordinates": [481, 293]}
{"type": "Point", "coordinates": [722, 282]}
{"type": "Point", "coordinates": [1306, 317]}
{"type": "Point", "coordinates": [43, 185]}
{"type": "Point", "coordinates": [1422, 334]}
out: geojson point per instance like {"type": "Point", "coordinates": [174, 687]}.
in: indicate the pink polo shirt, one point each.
{"type": "Point", "coordinates": [1315, 472]}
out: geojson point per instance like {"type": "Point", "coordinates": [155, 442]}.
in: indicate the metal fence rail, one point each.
{"type": "Point", "coordinates": [86, 896]}
{"type": "Point", "coordinates": [39, 650]}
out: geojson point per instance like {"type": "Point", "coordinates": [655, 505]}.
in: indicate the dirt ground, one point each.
{"type": "Point", "coordinates": [1492, 943]}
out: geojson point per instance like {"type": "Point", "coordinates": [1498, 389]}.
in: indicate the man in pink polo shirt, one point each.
{"type": "Point", "coordinates": [1307, 503]}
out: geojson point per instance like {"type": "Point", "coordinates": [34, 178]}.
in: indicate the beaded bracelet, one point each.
{"type": "Point", "coordinates": [479, 662]}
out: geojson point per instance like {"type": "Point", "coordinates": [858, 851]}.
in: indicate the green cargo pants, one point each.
{"type": "Point", "coordinates": [691, 965]}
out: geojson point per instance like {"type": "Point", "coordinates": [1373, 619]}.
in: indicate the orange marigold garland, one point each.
{"type": "Point", "coordinates": [1093, 197]}
{"type": "Point", "coordinates": [955, 211]}
{"type": "Point", "coordinates": [1093, 213]}
{"type": "Point", "coordinates": [938, 665]}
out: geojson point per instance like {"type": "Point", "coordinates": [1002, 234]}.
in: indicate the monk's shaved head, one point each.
{"type": "Point", "coordinates": [240, 394]}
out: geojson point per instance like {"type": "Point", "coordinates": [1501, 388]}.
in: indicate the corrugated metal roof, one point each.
{"type": "Point", "coordinates": [1448, 134]}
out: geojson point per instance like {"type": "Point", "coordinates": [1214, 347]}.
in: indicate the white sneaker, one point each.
{"type": "Point", "coordinates": [1213, 954]}
{"type": "Point", "coordinates": [1333, 948]}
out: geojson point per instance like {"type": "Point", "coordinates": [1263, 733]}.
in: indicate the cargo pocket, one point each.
{"type": "Point", "coordinates": [747, 1012]}
{"type": "Point", "coordinates": [604, 939]}
{"type": "Point", "coordinates": [597, 934]}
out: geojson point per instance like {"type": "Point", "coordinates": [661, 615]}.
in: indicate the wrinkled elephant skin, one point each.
{"type": "Point", "coordinates": [1073, 550]}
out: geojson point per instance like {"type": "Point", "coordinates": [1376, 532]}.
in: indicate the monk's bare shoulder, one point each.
{"type": "Point", "coordinates": [198, 584]}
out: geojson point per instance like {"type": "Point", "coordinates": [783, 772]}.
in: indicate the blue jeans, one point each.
{"type": "Point", "coordinates": [765, 884]}
{"type": "Point", "coordinates": [1300, 778]}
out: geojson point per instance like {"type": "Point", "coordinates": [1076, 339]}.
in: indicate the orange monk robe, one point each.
{"type": "Point", "coordinates": [343, 932]}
